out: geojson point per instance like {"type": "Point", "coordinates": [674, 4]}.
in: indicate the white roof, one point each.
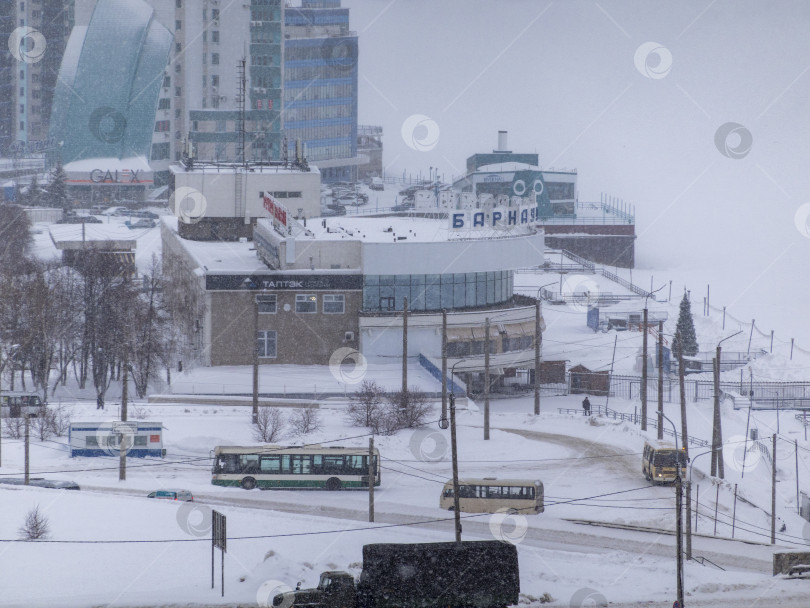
{"type": "Point", "coordinates": [393, 228]}
{"type": "Point", "coordinates": [502, 167]}
{"type": "Point", "coordinates": [138, 163]}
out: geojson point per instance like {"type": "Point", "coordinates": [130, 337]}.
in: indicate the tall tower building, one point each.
{"type": "Point", "coordinates": [320, 86]}
{"type": "Point", "coordinates": [37, 32]}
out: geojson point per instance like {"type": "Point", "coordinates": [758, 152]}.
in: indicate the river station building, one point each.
{"type": "Point", "coordinates": [302, 289]}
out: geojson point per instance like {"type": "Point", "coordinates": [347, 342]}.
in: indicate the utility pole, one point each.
{"type": "Point", "coordinates": [444, 364]}
{"type": "Point", "coordinates": [404, 347]}
{"type": "Point", "coordinates": [486, 378]}
{"type": "Point", "coordinates": [644, 372]}
{"type": "Point", "coordinates": [682, 391]}
{"type": "Point", "coordinates": [718, 419]}
{"type": "Point", "coordinates": [715, 421]}
{"type": "Point", "coordinates": [255, 414]}
{"type": "Point", "coordinates": [661, 380]}
{"type": "Point", "coordinates": [372, 477]}
{"type": "Point", "coordinates": [538, 336]}
{"type": "Point", "coordinates": [27, 459]}
{"type": "Point", "coordinates": [122, 452]}
{"type": "Point", "coordinates": [678, 532]}
{"type": "Point", "coordinates": [454, 453]}
{"type": "Point", "coordinates": [773, 494]}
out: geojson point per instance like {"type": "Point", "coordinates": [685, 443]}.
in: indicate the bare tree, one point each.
{"type": "Point", "coordinates": [409, 409]}
{"type": "Point", "coordinates": [14, 428]}
{"type": "Point", "coordinates": [35, 526]}
{"type": "Point", "coordinates": [366, 405]}
{"type": "Point", "coordinates": [305, 420]}
{"type": "Point", "coordinates": [269, 426]}
{"type": "Point", "coordinates": [150, 328]}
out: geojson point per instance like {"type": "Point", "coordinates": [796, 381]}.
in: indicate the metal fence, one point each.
{"type": "Point", "coordinates": [766, 395]}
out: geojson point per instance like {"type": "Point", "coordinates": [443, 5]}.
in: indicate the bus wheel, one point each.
{"type": "Point", "coordinates": [333, 483]}
{"type": "Point", "coordinates": [248, 483]}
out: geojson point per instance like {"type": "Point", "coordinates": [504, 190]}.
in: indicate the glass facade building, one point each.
{"type": "Point", "coordinates": [320, 85]}
{"type": "Point", "coordinates": [432, 292]}
{"type": "Point", "coordinates": [107, 94]}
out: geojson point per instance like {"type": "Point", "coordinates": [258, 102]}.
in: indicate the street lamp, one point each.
{"type": "Point", "coordinates": [454, 451]}
{"type": "Point", "coordinates": [538, 336]}
{"type": "Point", "coordinates": [678, 518]}
{"type": "Point", "coordinates": [644, 361]}
{"type": "Point", "coordinates": [717, 429]}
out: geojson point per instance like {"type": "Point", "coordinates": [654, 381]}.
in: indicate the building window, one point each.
{"type": "Point", "coordinates": [177, 47]}
{"type": "Point", "coordinates": [178, 4]}
{"type": "Point", "coordinates": [214, 58]}
{"type": "Point", "coordinates": [164, 103]}
{"type": "Point", "coordinates": [178, 25]}
{"type": "Point", "coordinates": [214, 80]}
{"type": "Point", "coordinates": [267, 304]}
{"type": "Point", "coordinates": [215, 36]}
{"type": "Point", "coordinates": [214, 14]}
{"type": "Point", "coordinates": [306, 303]}
{"type": "Point", "coordinates": [91, 441]}
{"type": "Point", "coordinates": [266, 344]}
{"type": "Point", "coordinates": [334, 304]}
{"type": "Point", "coordinates": [167, 81]}
{"type": "Point", "coordinates": [177, 68]}
{"type": "Point", "coordinates": [161, 126]}
{"type": "Point", "coordinates": [178, 91]}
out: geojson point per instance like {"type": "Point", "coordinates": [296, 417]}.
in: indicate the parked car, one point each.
{"type": "Point", "coordinates": [181, 495]}
{"type": "Point", "coordinates": [377, 183]}
{"type": "Point", "coordinates": [41, 483]}
{"type": "Point", "coordinates": [142, 223]}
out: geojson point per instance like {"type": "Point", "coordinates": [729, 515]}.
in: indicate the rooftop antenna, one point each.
{"type": "Point", "coordinates": [240, 100]}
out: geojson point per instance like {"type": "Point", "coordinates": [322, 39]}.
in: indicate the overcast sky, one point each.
{"type": "Point", "coordinates": [632, 95]}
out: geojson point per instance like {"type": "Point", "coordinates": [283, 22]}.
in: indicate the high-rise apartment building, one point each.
{"type": "Point", "coordinates": [320, 86]}
{"type": "Point", "coordinates": [34, 35]}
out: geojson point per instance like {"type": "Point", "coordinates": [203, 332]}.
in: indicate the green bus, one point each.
{"type": "Point", "coordinates": [293, 467]}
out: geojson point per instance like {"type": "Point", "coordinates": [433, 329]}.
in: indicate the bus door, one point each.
{"type": "Point", "coordinates": [14, 407]}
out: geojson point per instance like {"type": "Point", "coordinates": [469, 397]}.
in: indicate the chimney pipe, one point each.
{"type": "Point", "coordinates": [502, 143]}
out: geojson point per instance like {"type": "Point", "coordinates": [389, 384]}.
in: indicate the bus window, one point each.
{"type": "Point", "coordinates": [357, 462]}
{"type": "Point", "coordinates": [332, 465]}
{"type": "Point", "coordinates": [301, 464]}
{"type": "Point", "coordinates": [271, 464]}
{"type": "Point", "coordinates": [250, 463]}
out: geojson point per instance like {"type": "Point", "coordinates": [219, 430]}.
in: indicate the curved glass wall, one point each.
{"type": "Point", "coordinates": [384, 292]}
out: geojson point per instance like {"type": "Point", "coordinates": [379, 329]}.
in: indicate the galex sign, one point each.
{"type": "Point", "coordinates": [498, 218]}
{"type": "Point", "coordinates": [277, 212]}
{"type": "Point", "coordinates": [125, 176]}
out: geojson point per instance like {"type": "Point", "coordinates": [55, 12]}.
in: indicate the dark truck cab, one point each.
{"type": "Point", "coordinates": [473, 574]}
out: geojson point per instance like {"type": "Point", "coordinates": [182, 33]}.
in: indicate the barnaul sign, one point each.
{"type": "Point", "coordinates": [498, 218]}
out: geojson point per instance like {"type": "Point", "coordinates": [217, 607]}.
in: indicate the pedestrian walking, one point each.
{"type": "Point", "coordinates": [586, 405]}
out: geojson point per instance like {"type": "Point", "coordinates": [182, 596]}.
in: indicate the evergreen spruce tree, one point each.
{"type": "Point", "coordinates": [57, 190]}
{"type": "Point", "coordinates": [34, 196]}
{"type": "Point", "coordinates": [685, 330]}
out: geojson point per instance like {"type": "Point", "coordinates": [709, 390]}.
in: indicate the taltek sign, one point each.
{"type": "Point", "coordinates": [277, 212]}
{"type": "Point", "coordinates": [499, 218]}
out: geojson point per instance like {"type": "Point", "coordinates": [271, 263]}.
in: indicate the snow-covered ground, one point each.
{"type": "Point", "coordinates": [112, 546]}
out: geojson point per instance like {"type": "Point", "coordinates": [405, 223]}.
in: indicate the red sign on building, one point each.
{"type": "Point", "coordinates": [276, 211]}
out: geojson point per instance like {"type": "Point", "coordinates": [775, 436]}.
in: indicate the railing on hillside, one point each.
{"type": "Point", "coordinates": [605, 412]}
{"type": "Point", "coordinates": [626, 284]}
